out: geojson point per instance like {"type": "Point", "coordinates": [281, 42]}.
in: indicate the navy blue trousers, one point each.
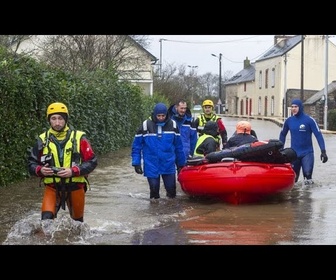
{"type": "Point", "coordinates": [169, 182]}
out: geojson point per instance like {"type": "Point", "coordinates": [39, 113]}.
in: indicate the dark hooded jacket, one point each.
{"type": "Point", "coordinates": [208, 142]}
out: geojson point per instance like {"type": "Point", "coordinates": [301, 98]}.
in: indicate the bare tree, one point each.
{"type": "Point", "coordinates": [176, 82]}
{"type": "Point", "coordinates": [76, 53]}
{"type": "Point", "coordinates": [13, 42]}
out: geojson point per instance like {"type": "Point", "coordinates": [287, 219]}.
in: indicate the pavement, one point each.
{"type": "Point", "coordinates": [278, 121]}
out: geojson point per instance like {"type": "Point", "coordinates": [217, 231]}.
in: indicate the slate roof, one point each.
{"type": "Point", "coordinates": [318, 95]}
{"type": "Point", "coordinates": [281, 47]}
{"type": "Point", "coordinates": [245, 75]}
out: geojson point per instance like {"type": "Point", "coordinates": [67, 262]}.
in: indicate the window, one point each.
{"type": "Point", "coordinates": [273, 78]}
{"type": "Point", "coordinates": [260, 79]}
{"type": "Point", "coordinates": [246, 106]}
{"type": "Point", "coordinates": [266, 78]}
{"type": "Point", "coordinates": [259, 105]}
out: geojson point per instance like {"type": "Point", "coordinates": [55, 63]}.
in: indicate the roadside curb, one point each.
{"type": "Point", "coordinates": [278, 122]}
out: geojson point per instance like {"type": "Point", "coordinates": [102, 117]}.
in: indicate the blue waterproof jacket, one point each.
{"type": "Point", "coordinates": [187, 131]}
{"type": "Point", "coordinates": [159, 146]}
{"type": "Point", "coordinates": [301, 127]}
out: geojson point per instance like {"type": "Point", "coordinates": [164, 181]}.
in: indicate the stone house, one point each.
{"type": "Point", "coordinates": [315, 105]}
{"type": "Point", "coordinates": [266, 86]}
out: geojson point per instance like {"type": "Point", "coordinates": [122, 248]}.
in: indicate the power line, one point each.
{"type": "Point", "coordinates": [218, 42]}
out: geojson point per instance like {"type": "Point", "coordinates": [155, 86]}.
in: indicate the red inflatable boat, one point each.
{"type": "Point", "coordinates": [238, 181]}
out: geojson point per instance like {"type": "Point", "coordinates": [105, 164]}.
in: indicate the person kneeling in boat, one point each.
{"type": "Point", "coordinates": [241, 136]}
{"type": "Point", "coordinates": [208, 142]}
{"type": "Point", "coordinates": [253, 133]}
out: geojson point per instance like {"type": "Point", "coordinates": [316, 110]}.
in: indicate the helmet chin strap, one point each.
{"type": "Point", "coordinates": [61, 130]}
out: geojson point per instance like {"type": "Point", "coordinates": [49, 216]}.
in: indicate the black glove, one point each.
{"type": "Point", "coordinates": [179, 169]}
{"type": "Point", "coordinates": [138, 169]}
{"type": "Point", "coordinates": [324, 157]}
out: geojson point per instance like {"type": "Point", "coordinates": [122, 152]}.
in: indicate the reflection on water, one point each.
{"type": "Point", "coordinates": [239, 226]}
{"type": "Point", "coordinates": [118, 210]}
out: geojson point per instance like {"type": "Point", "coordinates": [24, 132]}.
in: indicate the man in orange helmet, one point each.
{"type": "Point", "coordinates": [209, 115]}
{"type": "Point", "coordinates": [241, 136]}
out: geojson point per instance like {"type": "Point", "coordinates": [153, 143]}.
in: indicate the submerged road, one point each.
{"type": "Point", "coordinates": [118, 210]}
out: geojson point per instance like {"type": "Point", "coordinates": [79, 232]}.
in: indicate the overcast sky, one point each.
{"type": "Point", "coordinates": [196, 50]}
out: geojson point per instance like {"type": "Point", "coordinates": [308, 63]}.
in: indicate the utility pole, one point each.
{"type": "Point", "coordinates": [192, 67]}
{"type": "Point", "coordinates": [325, 121]}
{"type": "Point", "coordinates": [302, 67]}
{"type": "Point", "coordinates": [219, 80]}
{"type": "Point", "coordinates": [162, 39]}
{"type": "Point", "coordinates": [220, 77]}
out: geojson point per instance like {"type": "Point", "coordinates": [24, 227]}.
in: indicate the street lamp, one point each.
{"type": "Point", "coordinates": [220, 78]}
{"type": "Point", "coordinates": [192, 67]}
{"type": "Point", "coordinates": [162, 39]}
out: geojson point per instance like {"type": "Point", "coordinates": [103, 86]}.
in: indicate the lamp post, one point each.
{"type": "Point", "coordinates": [220, 79]}
{"type": "Point", "coordinates": [161, 39]}
{"type": "Point", "coordinates": [192, 67]}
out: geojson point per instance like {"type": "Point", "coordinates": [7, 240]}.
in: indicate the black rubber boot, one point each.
{"type": "Point", "coordinates": [171, 193]}
{"type": "Point", "coordinates": [47, 215]}
{"type": "Point", "coordinates": [154, 193]}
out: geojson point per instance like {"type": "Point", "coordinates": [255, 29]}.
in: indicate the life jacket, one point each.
{"type": "Point", "coordinates": [200, 141]}
{"type": "Point", "coordinates": [202, 121]}
{"type": "Point", "coordinates": [70, 156]}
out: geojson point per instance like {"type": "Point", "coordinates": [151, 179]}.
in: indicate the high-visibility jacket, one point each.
{"type": "Point", "coordinates": [202, 120]}
{"type": "Point", "coordinates": [66, 157]}
{"type": "Point", "coordinates": [201, 140]}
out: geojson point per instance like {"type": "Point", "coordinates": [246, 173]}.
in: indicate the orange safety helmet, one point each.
{"type": "Point", "coordinates": [208, 102]}
{"type": "Point", "coordinates": [243, 127]}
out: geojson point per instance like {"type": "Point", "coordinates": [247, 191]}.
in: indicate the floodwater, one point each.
{"type": "Point", "coordinates": [118, 210]}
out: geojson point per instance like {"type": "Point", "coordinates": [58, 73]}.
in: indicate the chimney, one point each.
{"type": "Point", "coordinates": [247, 63]}
{"type": "Point", "coordinates": [278, 38]}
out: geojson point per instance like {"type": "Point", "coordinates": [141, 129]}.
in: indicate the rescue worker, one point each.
{"type": "Point", "coordinates": [208, 142]}
{"type": "Point", "coordinates": [241, 136]}
{"type": "Point", "coordinates": [209, 115]}
{"type": "Point", "coordinates": [62, 157]}
{"type": "Point", "coordinates": [253, 133]}
{"type": "Point", "coordinates": [301, 127]}
{"type": "Point", "coordinates": [180, 113]}
{"type": "Point", "coordinates": [157, 143]}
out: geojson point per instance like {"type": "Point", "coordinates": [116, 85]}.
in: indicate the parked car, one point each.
{"type": "Point", "coordinates": [197, 108]}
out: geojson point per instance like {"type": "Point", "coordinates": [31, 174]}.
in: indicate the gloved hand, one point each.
{"type": "Point", "coordinates": [179, 169]}
{"type": "Point", "coordinates": [324, 157]}
{"type": "Point", "coordinates": [138, 169]}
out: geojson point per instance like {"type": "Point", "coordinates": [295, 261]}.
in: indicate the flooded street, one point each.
{"type": "Point", "coordinates": [118, 210]}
